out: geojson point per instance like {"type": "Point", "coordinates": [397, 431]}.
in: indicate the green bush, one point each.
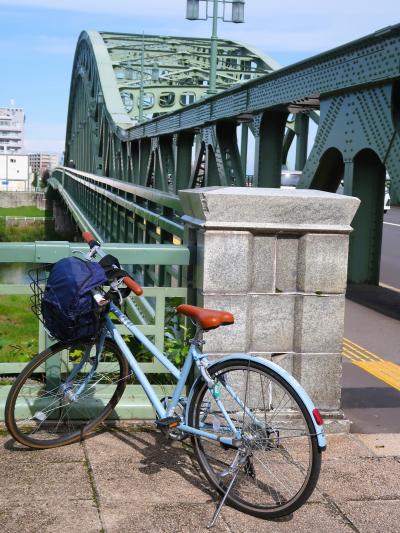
{"type": "Point", "coordinates": [39, 231]}
{"type": "Point", "coordinates": [18, 329]}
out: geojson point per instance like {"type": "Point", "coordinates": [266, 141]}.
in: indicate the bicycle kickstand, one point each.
{"type": "Point", "coordinates": [221, 503]}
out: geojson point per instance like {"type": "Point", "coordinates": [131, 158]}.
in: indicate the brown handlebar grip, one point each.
{"type": "Point", "coordinates": [131, 283]}
{"type": "Point", "coordinates": [87, 236]}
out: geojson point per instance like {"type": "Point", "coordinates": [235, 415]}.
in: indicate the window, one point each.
{"type": "Point", "coordinates": [187, 98]}
{"type": "Point", "coordinates": [148, 100]}
{"type": "Point", "coordinates": [127, 100]}
{"type": "Point", "coordinates": [167, 99]}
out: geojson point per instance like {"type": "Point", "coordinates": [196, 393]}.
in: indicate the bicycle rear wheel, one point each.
{"type": "Point", "coordinates": [61, 396]}
{"type": "Point", "coordinates": [281, 459]}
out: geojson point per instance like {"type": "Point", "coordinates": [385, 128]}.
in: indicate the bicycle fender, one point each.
{"type": "Point", "coordinates": [319, 430]}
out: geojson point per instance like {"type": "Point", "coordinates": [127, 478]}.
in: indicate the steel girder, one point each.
{"type": "Point", "coordinates": [106, 92]}
{"type": "Point", "coordinates": [102, 138]}
{"type": "Point", "coordinates": [356, 87]}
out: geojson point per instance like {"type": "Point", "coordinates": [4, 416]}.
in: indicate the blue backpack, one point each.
{"type": "Point", "coordinates": [68, 309]}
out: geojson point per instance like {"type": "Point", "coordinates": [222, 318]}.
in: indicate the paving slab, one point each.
{"type": "Point", "coordinates": [383, 444]}
{"type": "Point", "coordinates": [11, 450]}
{"type": "Point", "coordinates": [136, 481]}
{"type": "Point", "coordinates": [315, 517]}
{"type": "Point", "coordinates": [61, 516]}
{"type": "Point", "coordinates": [341, 446]}
{"type": "Point", "coordinates": [48, 481]}
{"type": "Point", "coordinates": [144, 467]}
{"type": "Point", "coordinates": [374, 517]}
{"type": "Point", "coordinates": [176, 517]}
{"type": "Point", "coordinates": [360, 478]}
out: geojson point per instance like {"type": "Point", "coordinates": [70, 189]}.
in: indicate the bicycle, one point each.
{"type": "Point", "coordinates": [255, 432]}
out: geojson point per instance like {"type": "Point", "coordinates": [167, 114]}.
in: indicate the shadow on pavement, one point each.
{"type": "Point", "coordinates": [380, 299]}
{"type": "Point", "coordinates": [370, 397]}
{"type": "Point", "coordinates": [165, 454]}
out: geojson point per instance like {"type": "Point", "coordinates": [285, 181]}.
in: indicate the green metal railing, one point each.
{"type": "Point", "coordinates": [147, 311]}
{"type": "Point", "coordinates": [117, 211]}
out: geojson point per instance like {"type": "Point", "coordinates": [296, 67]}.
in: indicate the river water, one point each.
{"type": "Point", "coordinates": [15, 272]}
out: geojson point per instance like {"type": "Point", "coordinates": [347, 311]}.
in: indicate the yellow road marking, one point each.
{"type": "Point", "coordinates": [386, 371]}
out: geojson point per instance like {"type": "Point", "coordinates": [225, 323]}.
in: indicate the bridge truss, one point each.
{"type": "Point", "coordinates": [355, 88]}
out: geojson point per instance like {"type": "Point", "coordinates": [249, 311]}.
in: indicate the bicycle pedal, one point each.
{"type": "Point", "coordinates": [168, 422]}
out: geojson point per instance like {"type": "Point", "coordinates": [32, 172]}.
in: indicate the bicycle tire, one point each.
{"type": "Point", "coordinates": [59, 423]}
{"type": "Point", "coordinates": [277, 443]}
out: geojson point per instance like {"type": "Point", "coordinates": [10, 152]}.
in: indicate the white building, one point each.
{"type": "Point", "coordinates": [41, 162]}
{"type": "Point", "coordinates": [15, 174]}
{"type": "Point", "coordinates": [12, 129]}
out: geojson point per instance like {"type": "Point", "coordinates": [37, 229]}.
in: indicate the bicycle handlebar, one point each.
{"type": "Point", "coordinates": [129, 282]}
{"type": "Point", "coordinates": [88, 237]}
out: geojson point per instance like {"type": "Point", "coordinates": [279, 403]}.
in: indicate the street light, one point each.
{"type": "Point", "coordinates": [192, 9]}
{"type": "Point", "coordinates": [237, 16]}
{"type": "Point", "coordinates": [237, 11]}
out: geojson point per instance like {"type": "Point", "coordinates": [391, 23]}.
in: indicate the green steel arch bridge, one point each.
{"type": "Point", "coordinates": [141, 127]}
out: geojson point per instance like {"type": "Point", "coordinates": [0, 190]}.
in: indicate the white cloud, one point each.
{"type": "Point", "coordinates": [292, 26]}
{"type": "Point", "coordinates": [254, 9]}
{"type": "Point", "coordinates": [119, 7]}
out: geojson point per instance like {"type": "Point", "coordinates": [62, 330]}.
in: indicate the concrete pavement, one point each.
{"type": "Point", "coordinates": [137, 481]}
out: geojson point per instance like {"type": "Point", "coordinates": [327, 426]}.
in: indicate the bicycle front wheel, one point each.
{"type": "Point", "coordinates": [278, 452]}
{"type": "Point", "coordinates": [62, 395]}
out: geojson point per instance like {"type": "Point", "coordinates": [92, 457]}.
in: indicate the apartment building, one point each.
{"type": "Point", "coordinates": [39, 163]}
{"type": "Point", "coordinates": [12, 129]}
{"type": "Point", "coordinates": [15, 173]}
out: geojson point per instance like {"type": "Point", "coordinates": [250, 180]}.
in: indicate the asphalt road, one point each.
{"type": "Point", "coordinates": [390, 257]}
{"type": "Point", "coordinates": [373, 406]}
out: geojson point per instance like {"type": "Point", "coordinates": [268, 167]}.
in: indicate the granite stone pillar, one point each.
{"type": "Point", "coordinates": [276, 259]}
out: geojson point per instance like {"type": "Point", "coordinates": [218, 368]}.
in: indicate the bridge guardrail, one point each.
{"type": "Point", "coordinates": [118, 211]}
{"type": "Point", "coordinates": [151, 323]}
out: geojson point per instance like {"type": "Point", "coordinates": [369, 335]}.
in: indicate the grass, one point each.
{"type": "Point", "coordinates": [40, 231]}
{"type": "Point", "coordinates": [23, 211]}
{"type": "Point", "coordinates": [18, 329]}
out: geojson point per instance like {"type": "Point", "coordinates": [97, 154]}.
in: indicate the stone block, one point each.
{"type": "Point", "coordinates": [263, 263]}
{"type": "Point", "coordinates": [271, 320]}
{"type": "Point", "coordinates": [286, 263]}
{"type": "Point", "coordinates": [277, 259]}
{"type": "Point", "coordinates": [273, 209]}
{"type": "Point", "coordinates": [227, 261]}
{"type": "Point", "coordinates": [319, 323]}
{"type": "Point", "coordinates": [284, 360]}
{"type": "Point", "coordinates": [322, 263]}
{"type": "Point", "coordinates": [233, 338]}
{"type": "Point", "coordinates": [320, 375]}
{"type": "Point", "coordinates": [199, 270]}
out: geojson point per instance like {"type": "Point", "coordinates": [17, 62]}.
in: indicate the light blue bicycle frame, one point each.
{"type": "Point", "coordinates": [194, 356]}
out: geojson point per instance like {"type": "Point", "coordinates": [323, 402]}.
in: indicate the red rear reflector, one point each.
{"type": "Point", "coordinates": [317, 417]}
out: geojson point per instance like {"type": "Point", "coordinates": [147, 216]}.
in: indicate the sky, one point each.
{"type": "Point", "coordinates": [38, 40]}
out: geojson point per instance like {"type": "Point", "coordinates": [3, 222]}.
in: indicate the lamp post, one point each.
{"type": "Point", "coordinates": [141, 90]}
{"type": "Point", "coordinates": [237, 16]}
